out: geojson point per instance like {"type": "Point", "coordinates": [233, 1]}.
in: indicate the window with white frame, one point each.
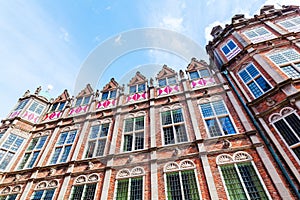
{"type": "Point", "coordinates": [59, 106]}
{"type": "Point", "coordinates": [291, 24]}
{"type": "Point", "coordinates": [10, 193]}
{"type": "Point", "coordinates": [32, 152]}
{"type": "Point", "coordinates": [254, 80]}
{"type": "Point", "coordinates": [63, 147]}
{"type": "Point", "coordinates": [173, 126]}
{"type": "Point", "coordinates": [287, 124]}
{"type": "Point", "coordinates": [217, 118]}
{"type": "Point", "coordinates": [84, 187]}
{"type": "Point", "coordinates": [201, 73]}
{"type": "Point", "coordinates": [45, 190]}
{"type": "Point", "coordinates": [130, 184]}
{"type": "Point", "coordinates": [97, 140]}
{"type": "Point", "coordinates": [240, 177]}
{"type": "Point", "coordinates": [181, 181]}
{"type": "Point", "coordinates": [133, 134]}
{"type": "Point", "coordinates": [22, 104]}
{"type": "Point", "coordinates": [288, 61]}
{"type": "Point", "coordinates": [2, 133]}
{"type": "Point", "coordinates": [81, 101]}
{"type": "Point", "coordinates": [259, 34]}
{"type": "Point", "coordinates": [9, 148]}
{"type": "Point", "coordinates": [36, 107]}
{"type": "Point", "coordinates": [137, 88]}
{"type": "Point", "coordinates": [167, 81]}
{"type": "Point", "coordinates": [230, 49]}
{"type": "Point", "coordinates": [109, 95]}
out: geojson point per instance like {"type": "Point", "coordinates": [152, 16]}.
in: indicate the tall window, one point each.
{"type": "Point", "coordinates": [288, 61]}
{"type": "Point", "coordinates": [259, 34]}
{"type": "Point", "coordinates": [81, 101]}
{"type": "Point", "coordinates": [97, 140]}
{"type": "Point", "coordinates": [133, 134]}
{"type": "Point", "coordinates": [84, 187]}
{"type": "Point", "coordinates": [202, 73]}
{"type": "Point", "coordinates": [254, 80]}
{"type": "Point", "coordinates": [8, 149]}
{"type": "Point", "coordinates": [109, 95]}
{"type": "Point", "coordinates": [137, 88]}
{"type": "Point", "coordinates": [217, 118]}
{"type": "Point", "coordinates": [10, 193]}
{"type": "Point", "coordinates": [63, 147]}
{"type": "Point", "coordinates": [32, 152]}
{"type": "Point", "coordinates": [230, 49]}
{"type": "Point", "coordinates": [59, 106]}
{"type": "Point", "coordinates": [9, 197]}
{"type": "Point", "coordinates": [167, 81]}
{"type": "Point", "coordinates": [292, 24]}
{"type": "Point", "coordinates": [130, 184]}
{"type": "Point", "coordinates": [22, 104]}
{"type": "Point", "coordinates": [173, 127]}
{"type": "Point", "coordinates": [181, 181]}
{"type": "Point", "coordinates": [287, 124]}
{"type": "Point", "coordinates": [240, 177]}
{"type": "Point", "coordinates": [45, 190]}
{"type": "Point", "coordinates": [36, 107]}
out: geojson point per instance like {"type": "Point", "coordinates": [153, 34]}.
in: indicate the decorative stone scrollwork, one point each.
{"type": "Point", "coordinates": [42, 185]}
{"type": "Point", "coordinates": [123, 173]}
{"type": "Point", "coordinates": [47, 184]}
{"type": "Point", "coordinates": [186, 164]}
{"type": "Point", "coordinates": [126, 173]}
{"type": "Point", "coordinates": [224, 158]}
{"type": "Point", "coordinates": [53, 183]}
{"type": "Point", "coordinates": [17, 189]}
{"type": "Point", "coordinates": [137, 171]}
{"type": "Point", "coordinates": [6, 190]}
{"type": "Point", "coordinates": [80, 179]}
{"type": "Point", "coordinates": [171, 166]}
{"type": "Point", "coordinates": [239, 156]}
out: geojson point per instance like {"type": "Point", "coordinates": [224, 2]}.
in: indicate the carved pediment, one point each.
{"type": "Point", "coordinates": [112, 85]}
{"type": "Point", "coordinates": [137, 79]}
{"type": "Point", "coordinates": [63, 97]}
{"type": "Point", "coordinates": [165, 72]}
{"type": "Point", "coordinates": [88, 90]}
{"type": "Point", "coordinates": [195, 65]}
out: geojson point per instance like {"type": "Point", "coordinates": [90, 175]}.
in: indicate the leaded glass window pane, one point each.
{"type": "Point", "coordinates": [162, 82]}
{"type": "Point", "coordinates": [128, 140]}
{"type": "Point", "coordinates": [180, 133]}
{"type": "Point", "coordinates": [172, 80]}
{"type": "Point", "coordinates": [166, 118]}
{"type": "Point", "coordinates": [97, 140]}
{"type": "Point", "coordinates": [78, 101]}
{"type": "Point", "coordinates": [77, 192]}
{"type": "Point", "coordinates": [113, 94]}
{"type": "Point", "coordinates": [104, 96]}
{"type": "Point", "coordinates": [177, 115]}
{"type": "Point", "coordinates": [142, 87]}
{"type": "Point", "coordinates": [173, 186]}
{"type": "Point", "coordinates": [286, 132]}
{"type": "Point", "coordinates": [189, 184]}
{"type": "Point", "coordinates": [194, 75]}
{"type": "Point", "coordinates": [169, 135]}
{"type": "Point", "coordinates": [132, 89]}
{"type": "Point", "coordinates": [290, 71]}
{"type": "Point", "coordinates": [122, 189]}
{"type": "Point", "coordinates": [136, 188]}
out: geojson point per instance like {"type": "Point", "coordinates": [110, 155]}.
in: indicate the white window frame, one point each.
{"type": "Point", "coordinates": [199, 74]}
{"type": "Point", "coordinates": [167, 79]}
{"type": "Point", "coordinates": [21, 104]}
{"type": "Point", "coordinates": [259, 38]}
{"type": "Point", "coordinates": [292, 63]}
{"type": "Point", "coordinates": [239, 157]}
{"type": "Point", "coordinates": [137, 88]}
{"type": "Point", "coordinates": [295, 27]}
{"type": "Point", "coordinates": [215, 116]}
{"type": "Point", "coordinates": [253, 79]}
{"type": "Point", "coordinates": [46, 185]}
{"type": "Point", "coordinates": [170, 109]}
{"type": "Point", "coordinates": [58, 107]}
{"type": "Point", "coordinates": [231, 53]}
{"type": "Point", "coordinates": [11, 190]}
{"type": "Point", "coordinates": [63, 147]}
{"type": "Point", "coordinates": [184, 165]}
{"type": "Point", "coordinates": [38, 107]}
{"type": "Point", "coordinates": [25, 166]}
{"type": "Point", "coordinates": [82, 102]}
{"type": "Point", "coordinates": [7, 150]}
{"type": "Point", "coordinates": [284, 112]}
{"type": "Point", "coordinates": [98, 123]}
{"type": "Point", "coordinates": [109, 95]}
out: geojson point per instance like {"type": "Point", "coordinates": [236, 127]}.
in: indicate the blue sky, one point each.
{"type": "Point", "coordinates": [46, 42]}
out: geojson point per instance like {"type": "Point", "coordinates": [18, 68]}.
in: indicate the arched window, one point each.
{"type": "Point", "coordinates": [10, 192]}
{"type": "Point", "coordinates": [240, 177]}
{"type": "Point", "coordinates": [84, 187]}
{"type": "Point", "coordinates": [181, 181]}
{"type": "Point", "coordinates": [287, 124]}
{"type": "Point", "coordinates": [130, 184]}
{"type": "Point", "coordinates": [45, 190]}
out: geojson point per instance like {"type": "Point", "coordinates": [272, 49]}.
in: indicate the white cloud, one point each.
{"type": "Point", "coordinates": [33, 52]}
{"type": "Point", "coordinates": [209, 28]}
{"type": "Point", "coordinates": [172, 23]}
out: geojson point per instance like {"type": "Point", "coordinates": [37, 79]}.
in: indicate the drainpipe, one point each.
{"type": "Point", "coordinates": [263, 136]}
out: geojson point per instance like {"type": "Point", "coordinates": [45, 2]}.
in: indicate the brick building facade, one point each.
{"type": "Point", "coordinates": [179, 135]}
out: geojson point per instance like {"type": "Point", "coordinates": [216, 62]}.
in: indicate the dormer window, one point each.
{"type": "Point", "coordinates": [109, 95]}
{"type": "Point", "coordinates": [291, 24]}
{"type": "Point", "coordinates": [137, 88]}
{"type": "Point", "coordinates": [36, 107]}
{"type": "Point", "coordinates": [82, 101]}
{"type": "Point", "coordinates": [22, 104]}
{"type": "Point", "coordinates": [167, 81]}
{"type": "Point", "coordinates": [199, 74]}
{"type": "Point", "coordinates": [59, 106]}
{"type": "Point", "coordinates": [259, 34]}
{"type": "Point", "coordinates": [230, 49]}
